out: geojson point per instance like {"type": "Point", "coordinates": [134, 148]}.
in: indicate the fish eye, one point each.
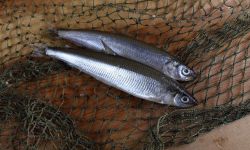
{"type": "Point", "coordinates": [185, 99]}
{"type": "Point", "coordinates": [185, 71]}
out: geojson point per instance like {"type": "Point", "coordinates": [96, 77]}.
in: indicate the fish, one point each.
{"type": "Point", "coordinates": [129, 76]}
{"type": "Point", "coordinates": [116, 44]}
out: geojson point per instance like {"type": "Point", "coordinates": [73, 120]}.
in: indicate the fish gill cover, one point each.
{"type": "Point", "coordinates": [45, 104]}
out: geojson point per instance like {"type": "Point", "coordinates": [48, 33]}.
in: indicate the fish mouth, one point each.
{"type": "Point", "coordinates": [192, 76]}
{"type": "Point", "coordinates": [195, 102]}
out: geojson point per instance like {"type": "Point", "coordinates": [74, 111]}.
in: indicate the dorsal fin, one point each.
{"type": "Point", "coordinates": [107, 49]}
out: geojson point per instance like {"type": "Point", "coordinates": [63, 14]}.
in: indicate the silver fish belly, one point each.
{"type": "Point", "coordinates": [129, 48]}
{"type": "Point", "coordinates": [129, 76]}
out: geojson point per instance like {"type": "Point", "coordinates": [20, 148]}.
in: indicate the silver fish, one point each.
{"type": "Point", "coordinates": [129, 76]}
{"type": "Point", "coordinates": [129, 48]}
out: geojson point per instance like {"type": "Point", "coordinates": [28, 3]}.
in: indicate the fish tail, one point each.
{"type": "Point", "coordinates": [53, 33]}
{"type": "Point", "coordinates": [39, 50]}
{"type": "Point", "coordinates": [38, 53]}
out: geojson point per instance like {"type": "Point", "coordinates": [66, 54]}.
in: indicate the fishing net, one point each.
{"type": "Point", "coordinates": [44, 104]}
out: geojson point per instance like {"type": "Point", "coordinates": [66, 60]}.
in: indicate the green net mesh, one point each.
{"type": "Point", "coordinates": [45, 104]}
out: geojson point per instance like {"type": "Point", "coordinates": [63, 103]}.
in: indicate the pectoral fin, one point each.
{"type": "Point", "coordinates": [107, 49]}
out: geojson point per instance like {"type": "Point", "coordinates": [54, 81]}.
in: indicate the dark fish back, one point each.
{"type": "Point", "coordinates": [117, 61]}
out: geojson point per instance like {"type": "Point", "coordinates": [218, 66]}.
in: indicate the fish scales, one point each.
{"type": "Point", "coordinates": [115, 75]}
{"type": "Point", "coordinates": [129, 76]}
{"type": "Point", "coordinates": [133, 49]}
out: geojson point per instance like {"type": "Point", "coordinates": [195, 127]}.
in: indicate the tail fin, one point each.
{"type": "Point", "coordinates": [52, 32]}
{"type": "Point", "coordinates": [38, 53]}
{"type": "Point", "coordinates": [39, 50]}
